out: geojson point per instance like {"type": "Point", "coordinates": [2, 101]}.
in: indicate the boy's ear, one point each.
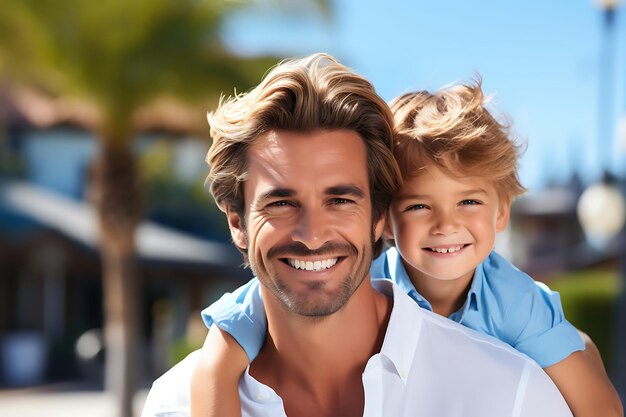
{"type": "Point", "coordinates": [237, 229]}
{"type": "Point", "coordinates": [388, 230]}
{"type": "Point", "coordinates": [379, 228]}
{"type": "Point", "coordinates": [504, 213]}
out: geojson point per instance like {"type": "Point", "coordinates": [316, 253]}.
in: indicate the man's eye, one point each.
{"type": "Point", "coordinates": [340, 201]}
{"type": "Point", "coordinates": [281, 203]}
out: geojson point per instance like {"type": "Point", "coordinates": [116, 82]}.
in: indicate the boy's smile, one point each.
{"type": "Point", "coordinates": [444, 226]}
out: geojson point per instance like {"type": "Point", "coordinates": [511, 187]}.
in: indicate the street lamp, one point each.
{"type": "Point", "coordinates": [606, 82]}
{"type": "Point", "coordinates": [607, 4]}
{"type": "Point", "coordinates": [601, 207]}
{"type": "Point", "coordinates": [601, 212]}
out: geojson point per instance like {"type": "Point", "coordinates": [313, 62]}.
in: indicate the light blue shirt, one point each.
{"type": "Point", "coordinates": [502, 302]}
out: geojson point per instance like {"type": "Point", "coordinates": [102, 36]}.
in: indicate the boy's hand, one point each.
{"type": "Point", "coordinates": [215, 380]}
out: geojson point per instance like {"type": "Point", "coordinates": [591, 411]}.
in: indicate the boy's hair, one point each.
{"type": "Point", "coordinates": [308, 94]}
{"type": "Point", "coordinates": [453, 130]}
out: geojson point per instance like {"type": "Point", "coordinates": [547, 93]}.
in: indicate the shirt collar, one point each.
{"type": "Point", "coordinates": [473, 299]}
{"type": "Point", "coordinates": [400, 277]}
{"type": "Point", "coordinates": [403, 329]}
{"type": "Point", "coordinates": [472, 302]}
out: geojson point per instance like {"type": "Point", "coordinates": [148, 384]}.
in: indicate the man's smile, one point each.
{"type": "Point", "coordinates": [312, 265]}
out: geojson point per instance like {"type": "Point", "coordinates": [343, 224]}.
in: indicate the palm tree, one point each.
{"type": "Point", "coordinates": [116, 58]}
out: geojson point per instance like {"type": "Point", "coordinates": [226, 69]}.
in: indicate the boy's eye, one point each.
{"type": "Point", "coordinates": [470, 202]}
{"type": "Point", "coordinates": [415, 207]}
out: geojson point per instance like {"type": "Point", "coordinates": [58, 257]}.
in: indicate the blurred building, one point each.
{"type": "Point", "coordinates": [50, 276]}
{"type": "Point", "coordinates": [547, 238]}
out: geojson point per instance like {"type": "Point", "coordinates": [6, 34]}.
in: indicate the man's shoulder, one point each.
{"type": "Point", "coordinates": [434, 356]}
{"type": "Point", "coordinates": [436, 330]}
{"type": "Point", "coordinates": [446, 331]}
{"type": "Point", "coordinates": [170, 393]}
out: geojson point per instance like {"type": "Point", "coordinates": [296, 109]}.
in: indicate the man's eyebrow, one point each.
{"type": "Point", "coordinates": [345, 189]}
{"type": "Point", "coordinates": [275, 193]}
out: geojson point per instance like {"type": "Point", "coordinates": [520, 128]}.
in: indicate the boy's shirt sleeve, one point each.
{"type": "Point", "coordinates": [241, 314]}
{"type": "Point", "coordinates": [545, 336]}
{"type": "Point", "coordinates": [524, 313]}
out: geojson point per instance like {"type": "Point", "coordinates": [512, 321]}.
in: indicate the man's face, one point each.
{"type": "Point", "coordinates": [308, 218]}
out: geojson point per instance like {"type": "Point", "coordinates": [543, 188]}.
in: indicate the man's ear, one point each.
{"type": "Point", "coordinates": [504, 213]}
{"type": "Point", "coordinates": [237, 229]}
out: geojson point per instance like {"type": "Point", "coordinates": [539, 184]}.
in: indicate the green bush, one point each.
{"type": "Point", "coordinates": [589, 299]}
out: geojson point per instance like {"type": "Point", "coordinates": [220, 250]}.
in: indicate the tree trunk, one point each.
{"type": "Point", "coordinates": [116, 196]}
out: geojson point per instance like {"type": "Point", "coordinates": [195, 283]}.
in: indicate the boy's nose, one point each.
{"type": "Point", "coordinates": [445, 224]}
{"type": "Point", "coordinates": [312, 229]}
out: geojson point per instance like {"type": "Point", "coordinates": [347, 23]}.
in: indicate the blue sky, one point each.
{"type": "Point", "coordinates": [541, 60]}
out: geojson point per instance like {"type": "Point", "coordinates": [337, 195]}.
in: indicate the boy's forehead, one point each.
{"type": "Point", "coordinates": [433, 176]}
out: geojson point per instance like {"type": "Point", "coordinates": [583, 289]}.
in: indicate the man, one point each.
{"type": "Point", "coordinates": [303, 168]}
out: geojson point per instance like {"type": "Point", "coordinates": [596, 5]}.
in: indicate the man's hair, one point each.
{"type": "Point", "coordinates": [304, 95]}
{"type": "Point", "coordinates": [453, 130]}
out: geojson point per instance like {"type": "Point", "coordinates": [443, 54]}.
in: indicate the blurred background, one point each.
{"type": "Point", "coordinates": [110, 244]}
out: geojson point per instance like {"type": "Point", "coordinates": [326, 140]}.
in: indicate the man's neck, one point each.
{"type": "Point", "coordinates": [315, 364]}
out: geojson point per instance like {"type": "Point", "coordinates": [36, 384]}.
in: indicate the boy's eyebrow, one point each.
{"type": "Point", "coordinates": [425, 196]}
{"type": "Point", "coordinates": [407, 195]}
{"type": "Point", "coordinates": [474, 191]}
{"type": "Point", "coordinates": [345, 189]}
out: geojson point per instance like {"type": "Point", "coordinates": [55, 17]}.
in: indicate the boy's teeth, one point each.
{"type": "Point", "coordinates": [447, 250]}
{"type": "Point", "coordinates": [312, 266]}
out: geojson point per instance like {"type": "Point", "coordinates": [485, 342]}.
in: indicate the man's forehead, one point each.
{"type": "Point", "coordinates": [286, 159]}
{"type": "Point", "coordinates": [306, 148]}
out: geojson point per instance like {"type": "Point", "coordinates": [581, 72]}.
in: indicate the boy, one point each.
{"type": "Point", "coordinates": [460, 175]}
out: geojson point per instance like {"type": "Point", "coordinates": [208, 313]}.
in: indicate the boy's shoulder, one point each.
{"type": "Point", "coordinates": [504, 278]}
{"type": "Point", "coordinates": [513, 307]}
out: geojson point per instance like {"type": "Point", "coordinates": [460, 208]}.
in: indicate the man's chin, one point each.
{"type": "Point", "coordinates": [313, 307]}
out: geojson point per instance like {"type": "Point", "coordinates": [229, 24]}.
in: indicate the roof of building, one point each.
{"type": "Point", "coordinates": [77, 220]}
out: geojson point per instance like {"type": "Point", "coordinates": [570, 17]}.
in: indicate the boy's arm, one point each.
{"type": "Point", "coordinates": [238, 326]}
{"type": "Point", "coordinates": [215, 380]}
{"type": "Point", "coordinates": [241, 314]}
{"type": "Point", "coordinates": [584, 384]}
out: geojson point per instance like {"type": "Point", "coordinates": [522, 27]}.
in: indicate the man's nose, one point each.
{"type": "Point", "coordinates": [312, 229]}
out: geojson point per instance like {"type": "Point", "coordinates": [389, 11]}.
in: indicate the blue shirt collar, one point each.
{"type": "Point", "coordinates": [400, 276]}
{"type": "Point", "coordinates": [472, 302]}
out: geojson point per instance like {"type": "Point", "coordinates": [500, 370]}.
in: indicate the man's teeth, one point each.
{"type": "Point", "coordinates": [312, 266]}
{"type": "Point", "coordinates": [447, 250]}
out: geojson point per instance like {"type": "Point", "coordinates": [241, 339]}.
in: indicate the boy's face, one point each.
{"type": "Point", "coordinates": [445, 226]}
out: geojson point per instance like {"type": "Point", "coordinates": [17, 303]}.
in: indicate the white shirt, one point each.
{"type": "Point", "coordinates": [429, 366]}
